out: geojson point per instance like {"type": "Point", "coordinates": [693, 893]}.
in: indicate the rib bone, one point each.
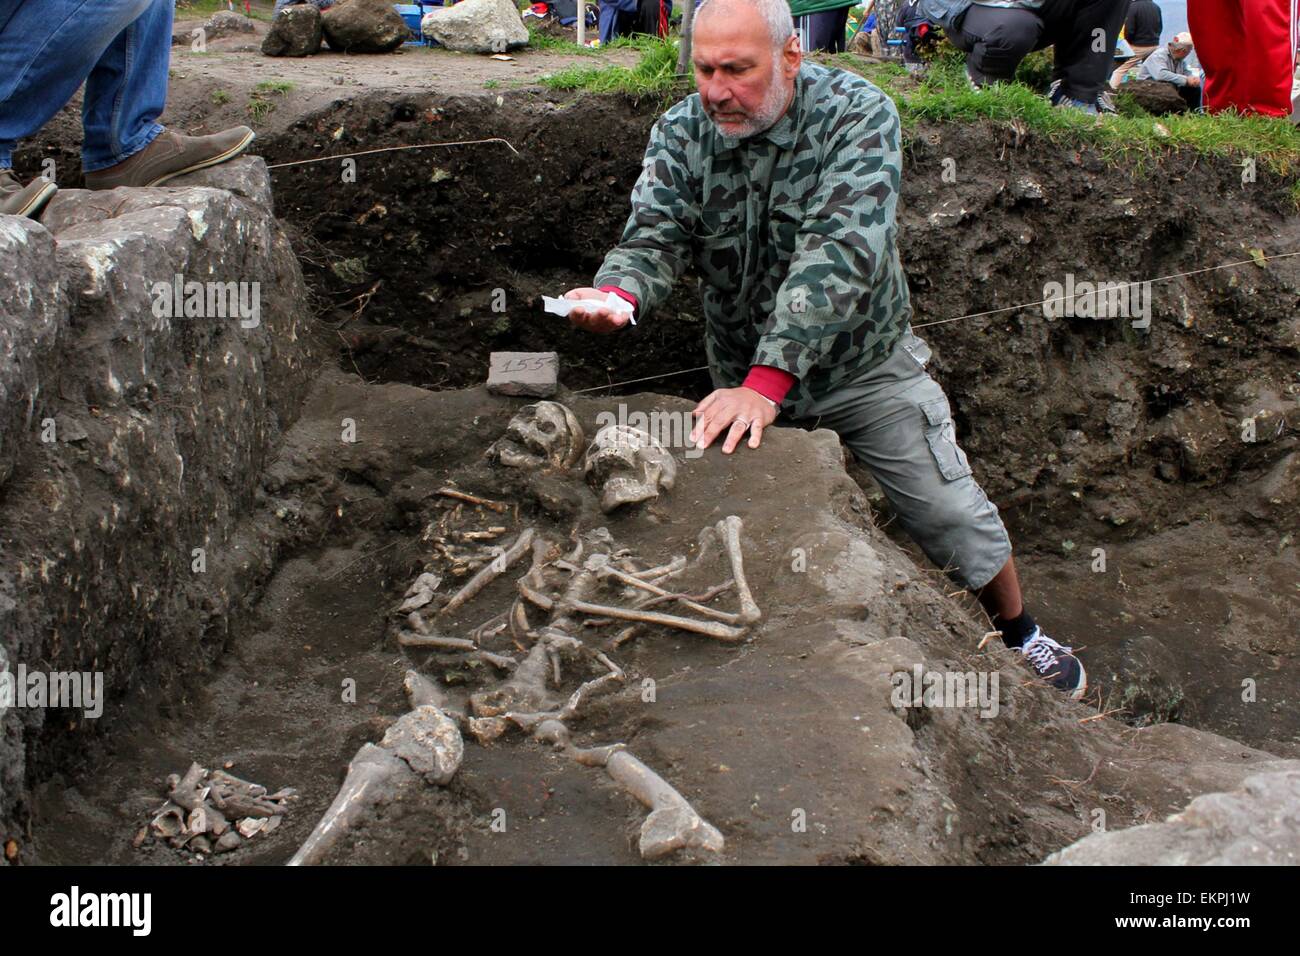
{"type": "Point", "coordinates": [491, 571]}
{"type": "Point", "coordinates": [608, 570]}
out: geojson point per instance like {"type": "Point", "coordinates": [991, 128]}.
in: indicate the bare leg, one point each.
{"type": "Point", "coordinates": [1001, 596]}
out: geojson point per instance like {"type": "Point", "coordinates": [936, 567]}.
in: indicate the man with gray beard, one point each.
{"type": "Point", "coordinates": [778, 180]}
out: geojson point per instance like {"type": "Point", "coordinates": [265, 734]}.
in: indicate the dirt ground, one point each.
{"type": "Point", "coordinates": [795, 724]}
{"type": "Point", "coordinates": [328, 76]}
{"type": "Point", "coordinates": [1087, 435]}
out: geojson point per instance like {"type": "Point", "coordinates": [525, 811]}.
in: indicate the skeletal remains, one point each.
{"type": "Point", "coordinates": [543, 435]}
{"type": "Point", "coordinates": [426, 747]}
{"type": "Point", "coordinates": [624, 465]}
{"type": "Point", "coordinates": [210, 811]}
{"type": "Point", "coordinates": [627, 466]}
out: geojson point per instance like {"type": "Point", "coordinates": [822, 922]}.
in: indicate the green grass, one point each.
{"type": "Point", "coordinates": [655, 74]}
{"type": "Point", "coordinates": [192, 9]}
{"type": "Point", "coordinates": [274, 86]}
{"type": "Point", "coordinates": [199, 8]}
{"type": "Point", "coordinates": [259, 98]}
{"type": "Point", "coordinates": [220, 97]}
{"type": "Point", "coordinates": [942, 95]}
{"type": "Point", "coordinates": [639, 41]}
{"type": "Point", "coordinates": [537, 40]}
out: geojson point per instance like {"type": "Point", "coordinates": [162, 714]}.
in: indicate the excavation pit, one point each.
{"type": "Point", "coordinates": [1090, 435]}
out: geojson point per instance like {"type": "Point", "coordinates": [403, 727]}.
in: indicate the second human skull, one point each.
{"type": "Point", "coordinates": [626, 465]}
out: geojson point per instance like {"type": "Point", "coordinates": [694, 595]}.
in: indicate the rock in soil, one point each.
{"type": "Point", "coordinates": [363, 26]}
{"type": "Point", "coordinates": [297, 31]}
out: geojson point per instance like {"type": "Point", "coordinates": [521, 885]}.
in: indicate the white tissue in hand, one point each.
{"type": "Point", "coordinates": [611, 301]}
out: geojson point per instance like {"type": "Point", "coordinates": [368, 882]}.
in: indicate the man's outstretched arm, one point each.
{"type": "Point", "coordinates": [655, 247]}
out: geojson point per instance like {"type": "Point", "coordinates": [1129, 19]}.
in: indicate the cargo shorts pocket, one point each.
{"type": "Point", "coordinates": [941, 435]}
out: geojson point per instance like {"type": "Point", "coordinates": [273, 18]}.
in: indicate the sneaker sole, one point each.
{"type": "Point", "coordinates": [212, 161]}
{"type": "Point", "coordinates": [1078, 692]}
{"type": "Point", "coordinates": [34, 205]}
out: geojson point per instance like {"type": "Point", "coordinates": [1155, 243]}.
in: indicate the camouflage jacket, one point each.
{"type": "Point", "coordinates": [792, 233]}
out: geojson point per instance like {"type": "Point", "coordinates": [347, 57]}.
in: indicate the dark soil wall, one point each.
{"type": "Point", "coordinates": [161, 431]}
{"type": "Point", "coordinates": [1073, 423]}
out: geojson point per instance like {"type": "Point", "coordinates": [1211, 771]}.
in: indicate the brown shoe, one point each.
{"type": "Point", "coordinates": [169, 155]}
{"type": "Point", "coordinates": [19, 200]}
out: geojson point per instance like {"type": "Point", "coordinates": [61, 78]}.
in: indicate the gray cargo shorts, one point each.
{"type": "Point", "coordinates": [897, 422]}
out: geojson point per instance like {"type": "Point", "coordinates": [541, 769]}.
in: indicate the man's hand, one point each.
{"type": "Point", "coordinates": [595, 320]}
{"type": "Point", "coordinates": [1193, 80]}
{"type": "Point", "coordinates": [732, 411]}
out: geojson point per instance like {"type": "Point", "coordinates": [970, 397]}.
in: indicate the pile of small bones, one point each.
{"type": "Point", "coordinates": [210, 811]}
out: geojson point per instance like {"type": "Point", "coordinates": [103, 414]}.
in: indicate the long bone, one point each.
{"type": "Point", "coordinates": [606, 570]}
{"type": "Point", "coordinates": [715, 629]}
{"type": "Point", "coordinates": [423, 747]}
{"type": "Point", "coordinates": [707, 595]}
{"type": "Point", "coordinates": [654, 575]}
{"type": "Point", "coordinates": [673, 824]}
{"type": "Point", "coordinates": [729, 528]}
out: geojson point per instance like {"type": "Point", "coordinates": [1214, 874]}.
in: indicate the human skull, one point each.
{"type": "Point", "coordinates": [626, 465]}
{"type": "Point", "coordinates": [543, 435]}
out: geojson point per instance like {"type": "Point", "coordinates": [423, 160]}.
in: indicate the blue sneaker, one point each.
{"type": "Point", "coordinates": [1055, 664]}
{"type": "Point", "coordinates": [1057, 97]}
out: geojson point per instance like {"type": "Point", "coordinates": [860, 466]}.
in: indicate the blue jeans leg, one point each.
{"type": "Point", "coordinates": [119, 48]}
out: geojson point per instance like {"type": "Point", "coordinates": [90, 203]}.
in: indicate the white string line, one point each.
{"type": "Point", "coordinates": [633, 381]}
{"type": "Point", "coordinates": [391, 149]}
{"type": "Point", "coordinates": [1116, 287]}
{"type": "Point", "coordinates": [975, 315]}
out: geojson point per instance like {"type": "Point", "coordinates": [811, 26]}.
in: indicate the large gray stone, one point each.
{"type": "Point", "coordinates": [245, 176]}
{"type": "Point", "coordinates": [363, 26]}
{"type": "Point", "coordinates": [296, 31]}
{"type": "Point", "coordinates": [1256, 824]}
{"type": "Point", "coordinates": [226, 23]}
{"type": "Point", "coordinates": [33, 303]}
{"type": "Point", "coordinates": [477, 26]}
{"type": "Point", "coordinates": [163, 426]}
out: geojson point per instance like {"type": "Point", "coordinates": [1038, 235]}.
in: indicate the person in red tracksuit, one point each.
{"type": "Point", "coordinates": [1247, 48]}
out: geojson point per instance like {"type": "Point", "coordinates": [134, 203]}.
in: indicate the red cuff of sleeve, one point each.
{"type": "Point", "coordinates": [625, 296]}
{"type": "Point", "coordinates": [770, 382]}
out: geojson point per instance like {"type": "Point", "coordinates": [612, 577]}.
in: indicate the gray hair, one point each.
{"type": "Point", "coordinates": [774, 13]}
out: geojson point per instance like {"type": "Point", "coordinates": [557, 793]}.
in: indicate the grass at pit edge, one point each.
{"type": "Point", "coordinates": [943, 96]}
